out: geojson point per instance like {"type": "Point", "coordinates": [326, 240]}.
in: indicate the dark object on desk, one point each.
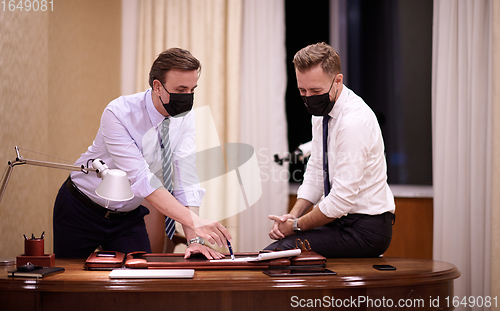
{"type": "Point", "coordinates": [104, 261]}
{"type": "Point", "coordinates": [37, 272]}
{"type": "Point", "coordinates": [384, 267]}
{"type": "Point", "coordinates": [308, 263]}
{"type": "Point", "coordinates": [27, 267]}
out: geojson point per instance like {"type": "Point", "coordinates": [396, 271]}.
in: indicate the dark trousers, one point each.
{"type": "Point", "coordinates": [351, 236]}
{"type": "Point", "coordinates": [79, 230]}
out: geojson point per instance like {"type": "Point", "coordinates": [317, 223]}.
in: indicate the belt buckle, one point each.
{"type": "Point", "coordinates": [108, 213]}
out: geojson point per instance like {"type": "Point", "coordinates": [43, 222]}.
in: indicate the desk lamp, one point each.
{"type": "Point", "coordinates": [114, 186]}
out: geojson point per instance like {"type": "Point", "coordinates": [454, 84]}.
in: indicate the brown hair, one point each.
{"type": "Point", "coordinates": [319, 53]}
{"type": "Point", "coordinates": [173, 58]}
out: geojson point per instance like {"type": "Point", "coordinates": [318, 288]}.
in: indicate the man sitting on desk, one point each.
{"type": "Point", "coordinates": [141, 134]}
{"type": "Point", "coordinates": [347, 165]}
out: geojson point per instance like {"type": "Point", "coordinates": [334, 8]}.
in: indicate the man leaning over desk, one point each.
{"type": "Point", "coordinates": [142, 134]}
{"type": "Point", "coordinates": [346, 176]}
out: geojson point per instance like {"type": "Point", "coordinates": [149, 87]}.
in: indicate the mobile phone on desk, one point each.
{"type": "Point", "coordinates": [384, 267]}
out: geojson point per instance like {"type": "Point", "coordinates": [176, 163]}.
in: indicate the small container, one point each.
{"type": "Point", "coordinates": [34, 247]}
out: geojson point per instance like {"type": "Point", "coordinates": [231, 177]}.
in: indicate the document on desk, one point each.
{"type": "Point", "coordinates": [263, 256]}
{"type": "Point", "coordinates": [151, 274]}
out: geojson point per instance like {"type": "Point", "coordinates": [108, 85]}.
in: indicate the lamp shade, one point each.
{"type": "Point", "coordinates": [115, 186]}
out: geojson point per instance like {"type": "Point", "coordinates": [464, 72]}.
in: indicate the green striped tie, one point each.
{"type": "Point", "coordinates": [166, 163]}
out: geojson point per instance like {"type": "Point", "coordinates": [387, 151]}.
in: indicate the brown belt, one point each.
{"type": "Point", "coordinates": [85, 200]}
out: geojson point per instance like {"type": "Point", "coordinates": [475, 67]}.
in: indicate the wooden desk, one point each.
{"type": "Point", "coordinates": [414, 281]}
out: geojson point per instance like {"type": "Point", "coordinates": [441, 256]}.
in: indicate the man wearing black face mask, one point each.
{"type": "Point", "coordinates": [345, 182]}
{"type": "Point", "coordinates": [146, 135]}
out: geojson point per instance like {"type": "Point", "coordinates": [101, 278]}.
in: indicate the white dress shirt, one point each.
{"type": "Point", "coordinates": [128, 139]}
{"type": "Point", "coordinates": [356, 162]}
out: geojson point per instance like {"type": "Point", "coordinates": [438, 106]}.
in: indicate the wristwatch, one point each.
{"type": "Point", "coordinates": [198, 240]}
{"type": "Point", "coordinates": [295, 227]}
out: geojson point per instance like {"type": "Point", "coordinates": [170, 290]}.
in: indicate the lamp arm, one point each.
{"type": "Point", "coordinates": [56, 165]}
{"type": "Point", "coordinates": [20, 160]}
{"type": "Point", "coordinates": [5, 179]}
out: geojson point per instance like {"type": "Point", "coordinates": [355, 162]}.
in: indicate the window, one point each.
{"type": "Point", "coordinates": [387, 61]}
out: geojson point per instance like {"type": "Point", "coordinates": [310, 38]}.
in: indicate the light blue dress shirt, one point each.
{"type": "Point", "coordinates": [128, 139]}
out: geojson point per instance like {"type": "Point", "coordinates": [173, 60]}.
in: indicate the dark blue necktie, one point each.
{"type": "Point", "coordinates": [326, 175]}
{"type": "Point", "coordinates": [166, 159]}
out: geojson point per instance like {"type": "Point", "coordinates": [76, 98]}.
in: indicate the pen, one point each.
{"type": "Point", "coordinates": [25, 237]}
{"type": "Point", "coordinates": [43, 234]}
{"type": "Point", "coordinates": [230, 250]}
{"type": "Point", "coordinates": [32, 236]}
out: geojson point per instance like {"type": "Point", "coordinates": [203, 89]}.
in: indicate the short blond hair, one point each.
{"type": "Point", "coordinates": [319, 53]}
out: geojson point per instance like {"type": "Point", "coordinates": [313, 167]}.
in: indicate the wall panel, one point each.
{"type": "Point", "coordinates": [58, 70]}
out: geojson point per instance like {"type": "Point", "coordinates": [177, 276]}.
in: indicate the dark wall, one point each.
{"type": "Point", "coordinates": [389, 66]}
{"type": "Point", "coordinates": [390, 62]}
{"type": "Point", "coordinates": [306, 23]}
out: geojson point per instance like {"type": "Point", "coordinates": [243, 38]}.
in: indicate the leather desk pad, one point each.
{"type": "Point", "coordinates": [198, 262]}
{"type": "Point", "coordinates": [308, 260]}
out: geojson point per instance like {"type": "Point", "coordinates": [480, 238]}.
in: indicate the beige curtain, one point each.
{"type": "Point", "coordinates": [240, 99]}
{"type": "Point", "coordinates": [211, 31]}
{"type": "Point", "coordinates": [462, 123]}
{"type": "Point", "coordinates": [263, 120]}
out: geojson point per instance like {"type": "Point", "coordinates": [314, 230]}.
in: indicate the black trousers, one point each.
{"type": "Point", "coordinates": [350, 236]}
{"type": "Point", "coordinates": [79, 230]}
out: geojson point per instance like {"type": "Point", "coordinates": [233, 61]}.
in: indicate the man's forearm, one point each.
{"type": "Point", "coordinates": [313, 219]}
{"type": "Point", "coordinates": [300, 207]}
{"type": "Point", "coordinates": [188, 232]}
{"type": "Point", "coordinates": [166, 204]}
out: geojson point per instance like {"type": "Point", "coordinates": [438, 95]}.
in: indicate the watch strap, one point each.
{"type": "Point", "coordinates": [197, 239]}
{"type": "Point", "coordinates": [295, 227]}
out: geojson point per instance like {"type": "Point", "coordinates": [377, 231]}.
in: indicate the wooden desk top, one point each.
{"type": "Point", "coordinates": [357, 273]}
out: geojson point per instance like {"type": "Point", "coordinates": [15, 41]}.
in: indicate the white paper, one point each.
{"type": "Point", "coordinates": [151, 274]}
{"type": "Point", "coordinates": [263, 256]}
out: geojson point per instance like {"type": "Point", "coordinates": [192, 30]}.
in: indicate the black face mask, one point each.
{"type": "Point", "coordinates": [320, 105]}
{"type": "Point", "coordinates": [180, 103]}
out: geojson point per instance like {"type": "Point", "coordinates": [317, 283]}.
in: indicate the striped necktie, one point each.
{"type": "Point", "coordinates": [166, 164]}
{"type": "Point", "coordinates": [326, 174]}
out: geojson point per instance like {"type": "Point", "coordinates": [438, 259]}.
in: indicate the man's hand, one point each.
{"type": "Point", "coordinates": [196, 248]}
{"type": "Point", "coordinates": [210, 230]}
{"type": "Point", "coordinates": [280, 228]}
